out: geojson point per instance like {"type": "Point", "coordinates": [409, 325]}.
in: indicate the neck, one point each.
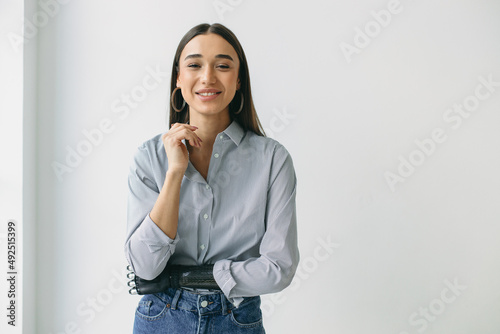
{"type": "Point", "coordinates": [209, 127]}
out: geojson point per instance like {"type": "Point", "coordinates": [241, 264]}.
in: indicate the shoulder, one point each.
{"type": "Point", "coordinates": [150, 151]}
{"type": "Point", "coordinates": [266, 145]}
{"type": "Point", "coordinates": [152, 144]}
{"type": "Point", "coordinates": [278, 160]}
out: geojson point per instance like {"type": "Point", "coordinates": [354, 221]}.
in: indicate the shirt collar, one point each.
{"type": "Point", "coordinates": [235, 132]}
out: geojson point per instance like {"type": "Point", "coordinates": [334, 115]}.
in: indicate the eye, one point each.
{"type": "Point", "coordinates": [223, 66]}
{"type": "Point", "coordinates": [193, 66]}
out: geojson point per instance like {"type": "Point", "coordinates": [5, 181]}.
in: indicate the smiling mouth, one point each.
{"type": "Point", "coordinates": [208, 94]}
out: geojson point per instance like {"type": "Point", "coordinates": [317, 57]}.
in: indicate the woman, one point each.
{"type": "Point", "coordinates": [211, 190]}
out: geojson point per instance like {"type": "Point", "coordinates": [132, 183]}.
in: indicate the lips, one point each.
{"type": "Point", "coordinates": [208, 91]}
{"type": "Point", "coordinates": [207, 94]}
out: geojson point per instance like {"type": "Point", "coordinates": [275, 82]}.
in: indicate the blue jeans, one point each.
{"type": "Point", "coordinates": [179, 311]}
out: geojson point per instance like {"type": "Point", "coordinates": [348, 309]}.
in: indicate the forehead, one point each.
{"type": "Point", "coordinates": [208, 46]}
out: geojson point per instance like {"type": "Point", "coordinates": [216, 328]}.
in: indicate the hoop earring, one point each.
{"type": "Point", "coordinates": [241, 104]}
{"type": "Point", "coordinates": [172, 102]}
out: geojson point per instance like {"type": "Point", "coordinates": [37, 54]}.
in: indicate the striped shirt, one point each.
{"type": "Point", "coordinates": [242, 218]}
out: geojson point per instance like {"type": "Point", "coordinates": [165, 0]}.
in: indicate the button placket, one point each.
{"type": "Point", "coordinates": [205, 215]}
{"type": "Point", "coordinates": [204, 223]}
{"type": "Point", "coordinates": [217, 152]}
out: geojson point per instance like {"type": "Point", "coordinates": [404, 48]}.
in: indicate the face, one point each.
{"type": "Point", "coordinates": [208, 74]}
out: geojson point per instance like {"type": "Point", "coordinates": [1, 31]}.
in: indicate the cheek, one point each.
{"type": "Point", "coordinates": [185, 78]}
{"type": "Point", "coordinates": [232, 81]}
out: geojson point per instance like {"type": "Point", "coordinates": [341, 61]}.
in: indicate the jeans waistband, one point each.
{"type": "Point", "coordinates": [202, 302]}
{"type": "Point", "coordinates": [202, 291]}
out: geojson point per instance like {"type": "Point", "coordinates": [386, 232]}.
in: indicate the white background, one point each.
{"type": "Point", "coordinates": [347, 121]}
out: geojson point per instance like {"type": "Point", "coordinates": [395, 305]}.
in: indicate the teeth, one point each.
{"type": "Point", "coordinates": [207, 94]}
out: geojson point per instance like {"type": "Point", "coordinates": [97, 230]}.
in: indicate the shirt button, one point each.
{"type": "Point", "coordinates": [216, 155]}
{"type": "Point", "coordinates": [205, 216]}
{"type": "Point", "coordinates": [207, 186]}
{"type": "Point", "coordinates": [221, 137]}
{"type": "Point", "coordinates": [202, 247]}
{"type": "Point", "coordinates": [204, 303]}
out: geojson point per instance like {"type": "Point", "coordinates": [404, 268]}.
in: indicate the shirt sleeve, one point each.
{"type": "Point", "coordinates": [147, 248]}
{"type": "Point", "coordinates": [274, 269]}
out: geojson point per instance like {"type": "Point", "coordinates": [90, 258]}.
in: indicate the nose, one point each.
{"type": "Point", "coordinates": [208, 76]}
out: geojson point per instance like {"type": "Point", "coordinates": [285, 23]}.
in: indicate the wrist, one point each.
{"type": "Point", "coordinates": [175, 173]}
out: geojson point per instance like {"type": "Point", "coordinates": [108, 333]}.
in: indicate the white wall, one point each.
{"type": "Point", "coordinates": [11, 173]}
{"type": "Point", "coordinates": [375, 258]}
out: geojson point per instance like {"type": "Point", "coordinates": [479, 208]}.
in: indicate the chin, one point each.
{"type": "Point", "coordinates": [210, 111]}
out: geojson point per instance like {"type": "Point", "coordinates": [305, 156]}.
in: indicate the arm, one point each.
{"type": "Point", "coordinates": [165, 212]}
{"type": "Point", "coordinates": [274, 269]}
{"type": "Point", "coordinates": [152, 214]}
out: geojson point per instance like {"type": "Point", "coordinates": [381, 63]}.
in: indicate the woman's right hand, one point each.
{"type": "Point", "coordinates": [177, 153]}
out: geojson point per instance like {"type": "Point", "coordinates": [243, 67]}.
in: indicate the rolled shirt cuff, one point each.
{"type": "Point", "coordinates": [149, 249]}
{"type": "Point", "coordinates": [154, 238]}
{"type": "Point", "coordinates": [226, 282]}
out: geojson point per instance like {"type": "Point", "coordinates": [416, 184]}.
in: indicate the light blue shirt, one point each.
{"type": "Point", "coordinates": [242, 218]}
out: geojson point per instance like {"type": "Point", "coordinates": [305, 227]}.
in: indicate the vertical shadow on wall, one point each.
{"type": "Point", "coordinates": [29, 235]}
{"type": "Point", "coordinates": [46, 222]}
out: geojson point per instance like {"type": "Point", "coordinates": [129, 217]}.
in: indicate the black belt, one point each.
{"type": "Point", "coordinates": [174, 276]}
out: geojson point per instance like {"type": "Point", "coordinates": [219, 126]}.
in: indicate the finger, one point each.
{"type": "Point", "coordinates": [192, 138]}
{"type": "Point", "coordinates": [182, 132]}
{"type": "Point", "coordinates": [183, 125]}
{"type": "Point", "coordinates": [176, 125]}
{"type": "Point", "coordinates": [179, 127]}
{"type": "Point", "coordinates": [195, 141]}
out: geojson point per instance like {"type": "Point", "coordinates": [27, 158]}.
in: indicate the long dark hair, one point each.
{"type": "Point", "coordinates": [247, 118]}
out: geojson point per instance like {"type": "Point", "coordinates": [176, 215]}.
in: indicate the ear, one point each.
{"type": "Point", "coordinates": [238, 84]}
{"type": "Point", "coordinates": [178, 81]}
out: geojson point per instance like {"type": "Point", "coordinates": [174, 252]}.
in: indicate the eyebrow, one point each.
{"type": "Point", "coordinates": [197, 55]}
